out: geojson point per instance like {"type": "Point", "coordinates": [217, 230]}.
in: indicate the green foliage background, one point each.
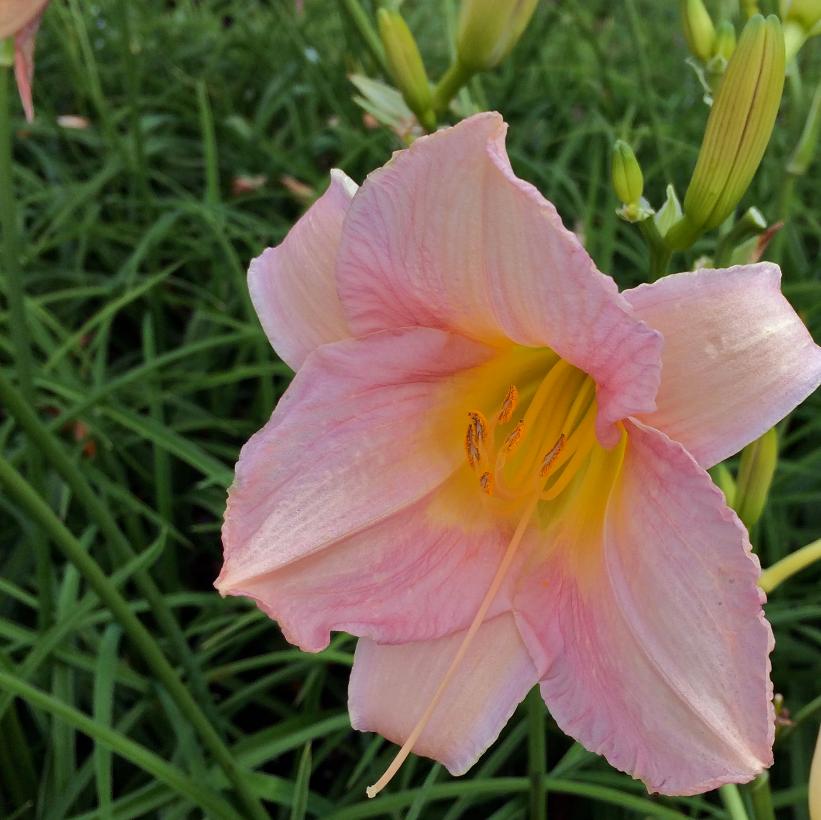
{"type": "Point", "coordinates": [133, 254]}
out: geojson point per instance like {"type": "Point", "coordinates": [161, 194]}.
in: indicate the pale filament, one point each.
{"type": "Point", "coordinates": [478, 619]}
{"type": "Point", "coordinates": [574, 443]}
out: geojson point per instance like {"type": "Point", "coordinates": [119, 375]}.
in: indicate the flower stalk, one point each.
{"type": "Point", "coordinates": [782, 570]}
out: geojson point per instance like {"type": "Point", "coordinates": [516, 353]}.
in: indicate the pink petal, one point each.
{"type": "Point", "coordinates": [736, 356]}
{"type": "Point", "coordinates": [356, 438]}
{"type": "Point", "coordinates": [391, 687]}
{"type": "Point", "coordinates": [409, 577]}
{"type": "Point", "coordinates": [653, 649]}
{"type": "Point", "coordinates": [445, 235]}
{"type": "Point", "coordinates": [24, 62]}
{"type": "Point", "coordinates": [292, 285]}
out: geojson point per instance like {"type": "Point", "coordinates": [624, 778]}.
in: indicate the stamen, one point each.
{"type": "Point", "coordinates": [472, 451]}
{"type": "Point", "coordinates": [478, 619]}
{"type": "Point", "coordinates": [486, 483]}
{"type": "Point", "coordinates": [509, 403]}
{"type": "Point", "coordinates": [512, 441]}
{"type": "Point", "coordinates": [478, 423]}
{"type": "Point", "coordinates": [551, 456]}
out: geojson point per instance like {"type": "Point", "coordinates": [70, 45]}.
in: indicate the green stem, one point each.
{"type": "Point", "coordinates": [787, 567]}
{"type": "Point", "coordinates": [660, 253]}
{"type": "Point", "coordinates": [30, 503]}
{"type": "Point", "coordinates": [537, 754]}
{"type": "Point", "coordinates": [19, 326]}
{"type": "Point", "coordinates": [448, 86]}
{"type": "Point", "coordinates": [120, 546]}
{"type": "Point", "coordinates": [731, 798]}
{"type": "Point", "coordinates": [762, 797]}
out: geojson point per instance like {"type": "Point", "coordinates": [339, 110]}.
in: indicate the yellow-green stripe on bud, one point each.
{"type": "Point", "coordinates": [755, 474]}
{"type": "Point", "coordinates": [488, 30]}
{"type": "Point", "coordinates": [628, 182]}
{"type": "Point", "coordinates": [407, 68]}
{"type": "Point", "coordinates": [738, 130]}
{"type": "Point", "coordinates": [698, 29]}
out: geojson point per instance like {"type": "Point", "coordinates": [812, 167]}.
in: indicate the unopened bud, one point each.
{"type": "Point", "coordinates": [488, 30]}
{"type": "Point", "coordinates": [725, 41]}
{"type": "Point", "coordinates": [805, 12]}
{"type": "Point", "coordinates": [723, 479]}
{"type": "Point", "coordinates": [738, 130]}
{"type": "Point", "coordinates": [755, 474]}
{"type": "Point", "coordinates": [405, 63]}
{"type": "Point", "coordinates": [802, 20]}
{"type": "Point", "coordinates": [628, 182]}
{"type": "Point", "coordinates": [698, 29]}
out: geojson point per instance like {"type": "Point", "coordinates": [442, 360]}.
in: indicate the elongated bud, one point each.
{"type": "Point", "coordinates": [738, 130]}
{"type": "Point", "coordinates": [628, 182]}
{"type": "Point", "coordinates": [488, 30]}
{"type": "Point", "coordinates": [725, 40]}
{"type": "Point", "coordinates": [405, 63]}
{"type": "Point", "coordinates": [755, 474]}
{"type": "Point", "coordinates": [698, 29]}
{"type": "Point", "coordinates": [802, 20]}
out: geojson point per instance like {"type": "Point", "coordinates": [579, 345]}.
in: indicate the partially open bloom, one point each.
{"type": "Point", "coordinates": [490, 467]}
{"type": "Point", "coordinates": [21, 19]}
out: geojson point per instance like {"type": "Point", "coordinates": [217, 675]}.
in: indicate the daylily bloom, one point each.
{"type": "Point", "coordinates": [490, 467]}
{"type": "Point", "coordinates": [21, 19]}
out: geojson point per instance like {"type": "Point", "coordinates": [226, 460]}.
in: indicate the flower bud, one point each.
{"type": "Point", "coordinates": [725, 41]}
{"type": "Point", "coordinates": [738, 130]}
{"type": "Point", "coordinates": [698, 29]}
{"type": "Point", "coordinates": [755, 474]}
{"type": "Point", "coordinates": [405, 63]}
{"type": "Point", "coordinates": [488, 30]}
{"type": "Point", "coordinates": [805, 12]}
{"type": "Point", "coordinates": [628, 182]}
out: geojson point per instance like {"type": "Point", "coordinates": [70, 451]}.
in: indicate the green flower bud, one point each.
{"type": "Point", "coordinates": [698, 29]}
{"type": "Point", "coordinates": [755, 474]}
{"type": "Point", "coordinates": [407, 68]}
{"type": "Point", "coordinates": [488, 30]}
{"type": "Point", "coordinates": [725, 41]}
{"type": "Point", "coordinates": [723, 479]}
{"type": "Point", "coordinates": [805, 12]}
{"type": "Point", "coordinates": [628, 182]}
{"type": "Point", "coordinates": [738, 130]}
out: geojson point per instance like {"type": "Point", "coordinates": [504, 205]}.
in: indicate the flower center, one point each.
{"type": "Point", "coordinates": [539, 449]}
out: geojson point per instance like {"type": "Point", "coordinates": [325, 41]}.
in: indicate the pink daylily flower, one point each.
{"type": "Point", "coordinates": [490, 467]}
{"type": "Point", "coordinates": [21, 19]}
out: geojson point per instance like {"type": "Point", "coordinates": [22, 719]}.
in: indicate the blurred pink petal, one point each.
{"type": "Point", "coordinates": [473, 457]}
{"type": "Point", "coordinates": [391, 684]}
{"type": "Point", "coordinates": [292, 285]}
{"type": "Point", "coordinates": [651, 643]}
{"type": "Point", "coordinates": [445, 235]}
{"type": "Point", "coordinates": [736, 357]}
{"type": "Point", "coordinates": [24, 64]}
